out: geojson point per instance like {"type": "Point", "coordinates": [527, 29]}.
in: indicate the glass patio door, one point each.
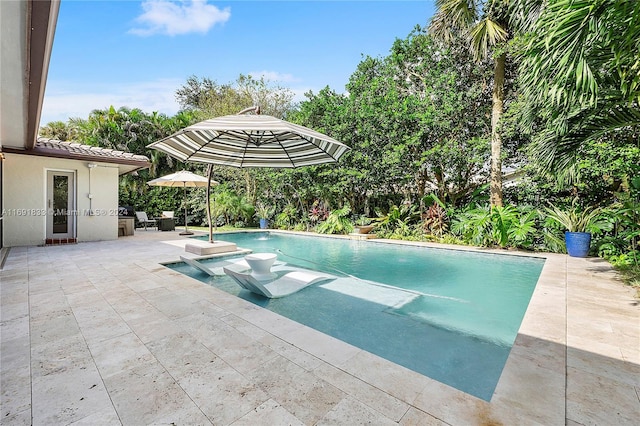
{"type": "Point", "coordinates": [61, 210]}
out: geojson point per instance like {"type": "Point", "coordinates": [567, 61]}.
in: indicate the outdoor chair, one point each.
{"type": "Point", "coordinates": [144, 220]}
{"type": "Point", "coordinates": [287, 284]}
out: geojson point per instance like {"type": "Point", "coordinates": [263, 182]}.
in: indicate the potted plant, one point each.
{"type": "Point", "coordinates": [579, 225]}
{"type": "Point", "coordinates": [264, 212]}
{"type": "Point", "coordinates": [363, 225]}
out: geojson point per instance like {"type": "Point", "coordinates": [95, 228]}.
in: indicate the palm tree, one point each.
{"type": "Point", "coordinates": [488, 25]}
{"type": "Point", "coordinates": [581, 75]}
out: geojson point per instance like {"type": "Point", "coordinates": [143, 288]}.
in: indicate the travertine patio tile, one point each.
{"type": "Point", "coordinates": [415, 417]}
{"type": "Point", "coordinates": [14, 353]}
{"type": "Point", "coordinates": [16, 325]}
{"type": "Point", "coordinates": [106, 417]}
{"type": "Point", "coordinates": [208, 308]}
{"type": "Point", "coordinates": [269, 321]}
{"type": "Point", "coordinates": [185, 415]}
{"type": "Point", "coordinates": [269, 413]}
{"type": "Point", "coordinates": [631, 354]}
{"type": "Point", "coordinates": [13, 293]}
{"type": "Point", "coordinates": [549, 326]}
{"type": "Point", "coordinates": [322, 346]}
{"type": "Point", "coordinates": [244, 326]}
{"type": "Point", "coordinates": [15, 390]}
{"type": "Point", "coordinates": [290, 352]}
{"type": "Point", "coordinates": [180, 352]}
{"type": "Point", "coordinates": [98, 322]}
{"type": "Point", "coordinates": [541, 352]}
{"type": "Point", "coordinates": [60, 355]}
{"type": "Point", "coordinates": [235, 349]}
{"type": "Point", "coordinates": [131, 306]}
{"type": "Point", "coordinates": [371, 396]}
{"type": "Point", "coordinates": [153, 326]}
{"type": "Point", "coordinates": [167, 302]}
{"type": "Point", "coordinates": [47, 304]}
{"type": "Point", "coordinates": [349, 409]}
{"type": "Point", "coordinates": [146, 394]}
{"type": "Point", "coordinates": [55, 402]}
{"type": "Point", "coordinates": [23, 418]}
{"type": "Point", "coordinates": [204, 325]}
{"type": "Point", "coordinates": [223, 394]}
{"type": "Point", "coordinates": [394, 379]}
{"type": "Point", "coordinates": [596, 400]}
{"type": "Point", "coordinates": [454, 407]}
{"type": "Point", "coordinates": [614, 369]}
{"type": "Point", "coordinates": [86, 296]}
{"type": "Point", "coordinates": [140, 285]}
{"type": "Point", "coordinates": [597, 337]}
{"type": "Point", "coordinates": [306, 396]}
{"type": "Point", "coordinates": [44, 283]}
{"type": "Point", "coordinates": [13, 273]}
{"type": "Point", "coordinates": [50, 328]}
{"type": "Point", "coordinates": [519, 390]}
{"type": "Point", "coordinates": [110, 284]}
{"type": "Point", "coordinates": [77, 286]}
{"type": "Point", "coordinates": [131, 353]}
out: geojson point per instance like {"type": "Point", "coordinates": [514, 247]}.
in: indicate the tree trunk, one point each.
{"type": "Point", "coordinates": [496, 139]}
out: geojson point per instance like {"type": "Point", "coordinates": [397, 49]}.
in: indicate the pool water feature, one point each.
{"type": "Point", "coordinates": [448, 314]}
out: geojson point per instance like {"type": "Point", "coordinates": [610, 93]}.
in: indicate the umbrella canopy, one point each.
{"type": "Point", "coordinates": [251, 141]}
{"type": "Point", "coordinates": [181, 179]}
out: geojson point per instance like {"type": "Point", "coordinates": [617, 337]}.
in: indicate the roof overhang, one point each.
{"type": "Point", "coordinates": [126, 162]}
{"type": "Point", "coordinates": [27, 29]}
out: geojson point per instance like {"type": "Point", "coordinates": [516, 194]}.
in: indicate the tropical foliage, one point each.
{"type": "Point", "coordinates": [545, 92]}
{"type": "Point", "coordinates": [580, 75]}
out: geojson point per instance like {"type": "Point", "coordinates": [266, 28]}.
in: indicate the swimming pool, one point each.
{"type": "Point", "coordinates": [448, 314]}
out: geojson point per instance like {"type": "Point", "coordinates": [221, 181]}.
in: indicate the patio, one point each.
{"type": "Point", "coordinates": [101, 333]}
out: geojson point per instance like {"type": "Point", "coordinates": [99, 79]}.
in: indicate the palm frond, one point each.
{"type": "Point", "coordinates": [484, 35]}
{"type": "Point", "coordinates": [556, 147]}
{"type": "Point", "coordinates": [523, 14]}
{"type": "Point", "coordinates": [453, 16]}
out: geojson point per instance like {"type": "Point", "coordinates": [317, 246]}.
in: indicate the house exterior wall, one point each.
{"type": "Point", "coordinates": [25, 199]}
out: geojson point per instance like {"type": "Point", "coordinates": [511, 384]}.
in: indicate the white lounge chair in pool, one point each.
{"type": "Point", "coordinates": [242, 264]}
{"type": "Point", "coordinates": [288, 284]}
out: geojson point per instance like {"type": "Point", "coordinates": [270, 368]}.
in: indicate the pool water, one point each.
{"type": "Point", "coordinates": [448, 314]}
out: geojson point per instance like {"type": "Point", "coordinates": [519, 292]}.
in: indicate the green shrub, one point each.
{"type": "Point", "coordinates": [337, 222]}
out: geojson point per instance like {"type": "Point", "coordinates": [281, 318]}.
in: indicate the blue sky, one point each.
{"type": "Point", "coordinates": [137, 53]}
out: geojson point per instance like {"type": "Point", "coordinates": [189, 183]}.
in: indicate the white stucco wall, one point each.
{"type": "Point", "coordinates": [24, 192]}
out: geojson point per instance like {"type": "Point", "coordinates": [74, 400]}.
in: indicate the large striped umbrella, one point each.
{"type": "Point", "coordinates": [251, 141]}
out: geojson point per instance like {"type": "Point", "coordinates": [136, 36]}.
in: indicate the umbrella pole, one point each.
{"type": "Point", "coordinates": [209, 173]}
{"type": "Point", "coordinates": [186, 228]}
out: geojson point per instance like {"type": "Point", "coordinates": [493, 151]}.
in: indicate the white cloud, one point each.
{"type": "Point", "coordinates": [63, 101]}
{"type": "Point", "coordinates": [274, 76]}
{"type": "Point", "coordinates": [171, 18]}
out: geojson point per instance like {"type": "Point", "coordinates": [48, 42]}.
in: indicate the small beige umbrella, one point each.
{"type": "Point", "coordinates": [182, 179]}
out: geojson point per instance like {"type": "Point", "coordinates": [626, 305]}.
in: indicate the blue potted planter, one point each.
{"type": "Point", "coordinates": [264, 223]}
{"type": "Point", "coordinates": [577, 243]}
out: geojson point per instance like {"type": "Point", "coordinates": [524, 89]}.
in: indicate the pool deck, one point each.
{"type": "Point", "coordinates": [101, 333]}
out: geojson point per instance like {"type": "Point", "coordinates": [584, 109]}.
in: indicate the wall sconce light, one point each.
{"type": "Point", "coordinates": [92, 165]}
